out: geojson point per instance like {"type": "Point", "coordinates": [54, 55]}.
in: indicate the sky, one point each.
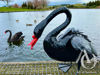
{"type": "Point", "coordinates": [51, 2]}
{"type": "Point", "coordinates": [83, 1]}
{"type": "Point", "coordinates": [69, 1]}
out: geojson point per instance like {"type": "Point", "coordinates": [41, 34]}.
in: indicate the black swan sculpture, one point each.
{"type": "Point", "coordinates": [15, 39]}
{"type": "Point", "coordinates": [65, 47]}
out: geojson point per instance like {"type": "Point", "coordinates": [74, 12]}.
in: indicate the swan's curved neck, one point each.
{"type": "Point", "coordinates": [9, 38]}
{"type": "Point", "coordinates": [40, 27]}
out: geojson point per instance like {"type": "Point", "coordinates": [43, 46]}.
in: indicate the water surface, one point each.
{"type": "Point", "coordinates": [85, 20]}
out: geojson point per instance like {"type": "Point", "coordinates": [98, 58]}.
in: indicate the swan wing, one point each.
{"type": "Point", "coordinates": [16, 36]}
{"type": "Point", "coordinates": [64, 33]}
{"type": "Point", "coordinates": [21, 38]}
{"type": "Point", "coordinates": [80, 43]}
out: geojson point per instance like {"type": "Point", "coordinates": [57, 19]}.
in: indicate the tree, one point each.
{"type": "Point", "coordinates": [29, 5]}
{"type": "Point", "coordinates": [93, 3]}
{"type": "Point", "coordinates": [44, 3]}
{"type": "Point", "coordinates": [37, 4]}
{"type": "Point", "coordinates": [24, 5]}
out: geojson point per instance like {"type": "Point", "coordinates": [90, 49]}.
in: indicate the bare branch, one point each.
{"type": "Point", "coordinates": [37, 4]}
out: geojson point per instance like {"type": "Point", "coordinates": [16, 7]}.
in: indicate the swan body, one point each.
{"type": "Point", "coordinates": [15, 38]}
{"type": "Point", "coordinates": [66, 46]}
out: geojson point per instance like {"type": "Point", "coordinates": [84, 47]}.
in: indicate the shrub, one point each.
{"type": "Point", "coordinates": [24, 5]}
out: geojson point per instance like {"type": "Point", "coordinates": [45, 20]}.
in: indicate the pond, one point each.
{"type": "Point", "coordinates": [85, 20]}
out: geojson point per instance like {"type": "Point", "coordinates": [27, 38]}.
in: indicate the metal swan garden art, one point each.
{"type": "Point", "coordinates": [67, 47]}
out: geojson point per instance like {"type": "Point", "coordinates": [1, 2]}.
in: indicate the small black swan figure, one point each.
{"type": "Point", "coordinates": [68, 45]}
{"type": "Point", "coordinates": [15, 39]}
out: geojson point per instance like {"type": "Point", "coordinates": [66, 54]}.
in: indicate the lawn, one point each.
{"type": "Point", "coordinates": [10, 9]}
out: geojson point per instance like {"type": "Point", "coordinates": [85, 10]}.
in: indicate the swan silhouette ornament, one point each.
{"type": "Point", "coordinates": [64, 47]}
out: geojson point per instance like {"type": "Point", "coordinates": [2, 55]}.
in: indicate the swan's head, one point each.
{"type": "Point", "coordinates": [33, 42]}
{"type": "Point", "coordinates": [7, 31]}
{"type": "Point", "coordinates": [37, 33]}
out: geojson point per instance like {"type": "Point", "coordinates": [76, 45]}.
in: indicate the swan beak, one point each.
{"type": "Point", "coordinates": [33, 42]}
{"type": "Point", "coordinates": [5, 32]}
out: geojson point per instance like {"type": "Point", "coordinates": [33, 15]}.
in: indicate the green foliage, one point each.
{"type": "Point", "coordinates": [28, 5]}
{"type": "Point", "coordinates": [76, 6]}
{"type": "Point", "coordinates": [24, 5]}
{"type": "Point", "coordinates": [93, 4]}
{"type": "Point", "coordinates": [70, 6]}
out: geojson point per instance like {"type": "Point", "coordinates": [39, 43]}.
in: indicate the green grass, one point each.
{"type": "Point", "coordinates": [10, 9]}
{"type": "Point", "coordinates": [7, 9]}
